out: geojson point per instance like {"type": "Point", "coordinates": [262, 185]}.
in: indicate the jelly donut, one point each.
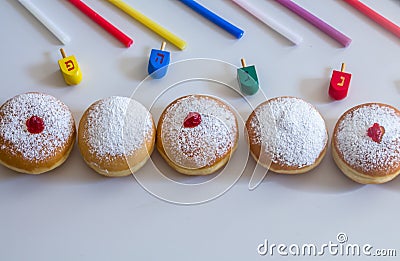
{"type": "Point", "coordinates": [287, 135]}
{"type": "Point", "coordinates": [37, 133]}
{"type": "Point", "coordinates": [116, 136]}
{"type": "Point", "coordinates": [366, 143]}
{"type": "Point", "coordinates": [196, 134]}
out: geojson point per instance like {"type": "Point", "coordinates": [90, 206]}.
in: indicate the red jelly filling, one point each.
{"type": "Point", "coordinates": [35, 125]}
{"type": "Point", "coordinates": [192, 120]}
{"type": "Point", "coordinates": [376, 132]}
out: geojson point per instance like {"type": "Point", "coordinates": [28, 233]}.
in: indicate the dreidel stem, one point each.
{"type": "Point", "coordinates": [243, 61]}
{"type": "Point", "coordinates": [163, 46]}
{"type": "Point", "coordinates": [63, 53]}
{"type": "Point", "coordinates": [343, 67]}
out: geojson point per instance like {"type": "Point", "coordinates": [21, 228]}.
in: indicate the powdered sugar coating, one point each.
{"type": "Point", "coordinates": [204, 144]}
{"type": "Point", "coordinates": [290, 131]}
{"type": "Point", "coordinates": [358, 149]}
{"type": "Point", "coordinates": [57, 118]}
{"type": "Point", "coordinates": [117, 126]}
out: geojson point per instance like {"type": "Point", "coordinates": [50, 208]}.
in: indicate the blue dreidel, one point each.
{"type": "Point", "coordinates": [248, 80]}
{"type": "Point", "coordinates": [158, 62]}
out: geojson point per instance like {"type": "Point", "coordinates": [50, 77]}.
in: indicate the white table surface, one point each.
{"type": "Point", "coordinates": [72, 213]}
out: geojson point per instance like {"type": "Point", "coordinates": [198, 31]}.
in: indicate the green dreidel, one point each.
{"type": "Point", "coordinates": [248, 80]}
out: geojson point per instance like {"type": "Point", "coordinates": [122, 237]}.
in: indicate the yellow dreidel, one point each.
{"type": "Point", "coordinates": [70, 69]}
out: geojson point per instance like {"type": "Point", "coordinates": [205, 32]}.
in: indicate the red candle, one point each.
{"type": "Point", "coordinates": [114, 31]}
{"type": "Point", "coordinates": [339, 85]}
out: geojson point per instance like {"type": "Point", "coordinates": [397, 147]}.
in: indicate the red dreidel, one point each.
{"type": "Point", "coordinates": [339, 85]}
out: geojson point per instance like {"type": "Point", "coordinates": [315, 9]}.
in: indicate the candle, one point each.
{"type": "Point", "coordinates": [230, 28]}
{"type": "Point", "coordinates": [317, 22]}
{"type": "Point", "coordinates": [155, 27]}
{"type": "Point", "coordinates": [106, 25]}
{"type": "Point", "coordinates": [53, 28]}
{"type": "Point", "coordinates": [269, 21]}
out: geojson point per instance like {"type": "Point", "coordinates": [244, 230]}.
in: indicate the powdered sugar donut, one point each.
{"type": "Point", "coordinates": [196, 134]}
{"type": "Point", "coordinates": [366, 143]}
{"type": "Point", "coordinates": [287, 134]}
{"type": "Point", "coordinates": [116, 136]}
{"type": "Point", "coordinates": [37, 133]}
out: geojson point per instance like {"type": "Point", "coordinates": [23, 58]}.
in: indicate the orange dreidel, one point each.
{"type": "Point", "coordinates": [340, 83]}
{"type": "Point", "coordinates": [70, 69]}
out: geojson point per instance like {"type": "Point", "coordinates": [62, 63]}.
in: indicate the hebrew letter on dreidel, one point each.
{"type": "Point", "coordinates": [70, 65]}
{"type": "Point", "coordinates": [342, 78]}
{"type": "Point", "coordinates": [162, 57]}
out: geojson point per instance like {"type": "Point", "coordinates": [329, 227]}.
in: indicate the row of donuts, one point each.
{"type": "Point", "coordinates": [196, 135]}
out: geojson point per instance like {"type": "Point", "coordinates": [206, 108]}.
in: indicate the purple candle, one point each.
{"type": "Point", "coordinates": [312, 19]}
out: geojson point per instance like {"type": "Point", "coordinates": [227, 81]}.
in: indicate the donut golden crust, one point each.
{"type": "Point", "coordinates": [357, 154]}
{"type": "Point", "coordinates": [116, 136]}
{"type": "Point", "coordinates": [199, 150]}
{"type": "Point", "coordinates": [287, 135]}
{"type": "Point", "coordinates": [37, 148]}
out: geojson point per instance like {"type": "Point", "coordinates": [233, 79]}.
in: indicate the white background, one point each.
{"type": "Point", "coordinates": [72, 213]}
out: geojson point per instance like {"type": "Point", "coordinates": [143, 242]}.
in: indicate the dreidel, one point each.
{"type": "Point", "coordinates": [247, 78]}
{"type": "Point", "coordinates": [70, 69]}
{"type": "Point", "coordinates": [340, 83]}
{"type": "Point", "coordinates": [158, 62]}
